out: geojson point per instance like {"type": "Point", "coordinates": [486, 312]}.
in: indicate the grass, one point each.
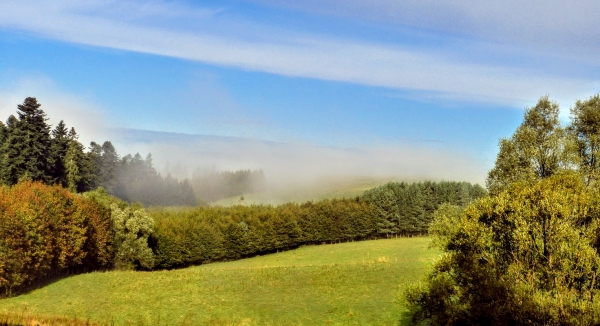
{"type": "Point", "coordinates": [325, 189]}
{"type": "Point", "coordinates": [342, 284]}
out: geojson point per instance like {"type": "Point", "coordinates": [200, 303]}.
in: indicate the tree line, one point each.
{"type": "Point", "coordinates": [205, 234]}
{"type": "Point", "coordinates": [528, 254]}
{"type": "Point", "coordinates": [407, 209]}
{"type": "Point", "coordinates": [47, 230]}
{"type": "Point", "coordinates": [58, 215]}
{"type": "Point", "coordinates": [30, 149]}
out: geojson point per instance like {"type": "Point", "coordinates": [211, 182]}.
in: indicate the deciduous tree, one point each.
{"type": "Point", "coordinates": [537, 149]}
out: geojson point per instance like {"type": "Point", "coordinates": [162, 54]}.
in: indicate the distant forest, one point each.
{"type": "Point", "coordinates": [30, 150]}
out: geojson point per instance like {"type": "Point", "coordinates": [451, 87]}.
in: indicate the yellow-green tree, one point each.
{"type": "Point", "coordinates": [528, 255]}
{"type": "Point", "coordinates": [585, 128]}
{"type": "Point", "coordinates": [131, 231]}
{"type": "Point", "coordinates": [537, 149]}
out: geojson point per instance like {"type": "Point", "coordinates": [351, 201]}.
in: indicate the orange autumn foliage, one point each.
{"type": "Point", "coordinates": [47, 231]}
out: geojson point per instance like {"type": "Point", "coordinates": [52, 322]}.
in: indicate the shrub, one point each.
{"type": "Point", "coordinates": [131, 231]}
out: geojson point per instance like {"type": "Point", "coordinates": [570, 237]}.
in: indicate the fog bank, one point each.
{"type": "Point", "coordinates": [289, 163]}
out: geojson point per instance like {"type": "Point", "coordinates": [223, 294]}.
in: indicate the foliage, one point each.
{"type": "Point", "coordinates": [206, 234]}
{"type": "Point", "coordinates": [46, 230]}
{"type": "Point", "coordinates": [525, 256]}
{"type": "Point", "coordinates": [131, 229]}
{"type": "Point", "coordinates": [407, 209]}
{"type": "Point", "coordinates": [585, 129]}
{"type": "Point", "coordinates": [537, 150]}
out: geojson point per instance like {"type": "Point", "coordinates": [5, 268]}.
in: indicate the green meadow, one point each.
{"type": "Point", "coordinates": [354, 283]}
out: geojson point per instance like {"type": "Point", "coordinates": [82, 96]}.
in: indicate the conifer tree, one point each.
{"type": "Point", "coordinates": [58, 152]}
{"type": "Point", "coordinates": [74, 162]}
{"type": "Point", "coordinates": [11, 161]}
{"type": "Point", "coordinates": [35, 142]}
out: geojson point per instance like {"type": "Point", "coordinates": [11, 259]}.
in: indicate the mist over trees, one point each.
{"type": "Point", "coordinates": [529, 252]}
{"type": "Point", "coordinates": [138, 181]}
{"type": "Point", "coordinates": [214, 185]}
{"type": "Point", "coordinates": [31, 150]}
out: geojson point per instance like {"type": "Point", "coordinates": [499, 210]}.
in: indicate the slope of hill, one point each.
{"type": "Point", "coordinates": [325, 189]}
{"type": "Point", "coordinates": [344, 284]}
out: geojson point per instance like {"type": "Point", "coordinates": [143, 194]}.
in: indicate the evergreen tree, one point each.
{"type": "Point", "coordinates": [27, 145]}
{"type": "Point", "coordinates": [35, 141]}
{"type": "Point", "coordinates": [11, 159]}
{"type": "Point", "coordinates": [80, 167]}
{"type": "Point", "coordinates": [58, 152]}
{"type": "Point", "coordinates": [73, 162]}
{"type": "Point", "coordinates": [108, 166]}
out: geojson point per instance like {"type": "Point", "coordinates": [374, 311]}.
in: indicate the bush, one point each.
{"type": "Point", "coordinates": [131, 231]}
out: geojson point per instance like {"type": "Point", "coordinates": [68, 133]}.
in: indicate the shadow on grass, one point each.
{"type": "Point", "coordinates": [25, 319]}
{"type": "Point", "coordinates": [46, 281]}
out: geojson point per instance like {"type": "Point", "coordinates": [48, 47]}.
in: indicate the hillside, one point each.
{"type": "Point", "coordinates": [342, 284]}
{"type": "Point", "coordinates": [325, 189]}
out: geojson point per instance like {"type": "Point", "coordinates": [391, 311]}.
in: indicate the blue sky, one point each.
{"type": "Point", "coordinates": [402, 82]}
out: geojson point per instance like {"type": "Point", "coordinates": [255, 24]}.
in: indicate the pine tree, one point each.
{"type": "Point", "coordinates": [35, 141]}
{"type": "Point", "coordinates": [11, 160]}
{"type": "Point", "coordinates": [58, 151]}
{"type": "Point", "coordinates": [108, 166]}
{"type": "Point", "coordinates": [73, 162]}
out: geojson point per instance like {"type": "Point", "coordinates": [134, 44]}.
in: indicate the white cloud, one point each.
{"type": "Point", "coordinates": [569, 27]}
{"type": "Point", "coordinates": [312, 56]}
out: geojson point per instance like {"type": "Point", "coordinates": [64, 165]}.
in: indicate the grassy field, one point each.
{"type": "Point", "coordinates": [325, 189]}
{"type": "Point", "coordinates": [353, 283]}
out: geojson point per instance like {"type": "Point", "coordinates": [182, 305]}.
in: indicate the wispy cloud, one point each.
{"type": "Point", "coordinates": [138, 27]}
{"type": "Point", "coordinates": [569, 27]}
